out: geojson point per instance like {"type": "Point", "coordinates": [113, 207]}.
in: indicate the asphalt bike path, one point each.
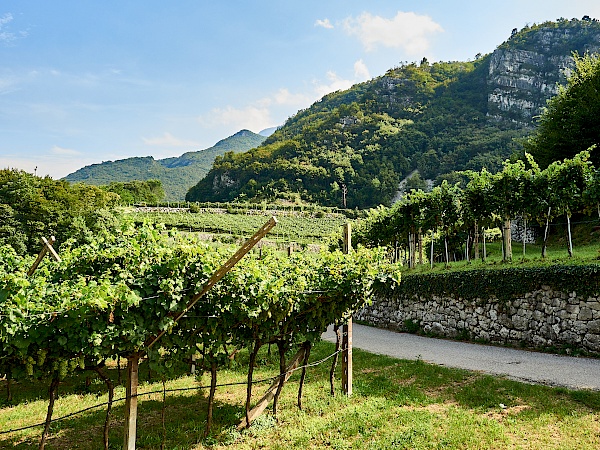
{"type": "Point", "coordinates": [521, 365]}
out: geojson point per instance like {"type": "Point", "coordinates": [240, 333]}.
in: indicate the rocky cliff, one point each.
{"type": "Point", "coordinates": [526, 70]}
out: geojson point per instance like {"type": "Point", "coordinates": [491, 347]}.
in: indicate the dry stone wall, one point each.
{"type": "Point", "coordinates": [542, 318]}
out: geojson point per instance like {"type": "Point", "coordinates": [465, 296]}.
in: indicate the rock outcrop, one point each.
{"type": "Point", "coordinates": [524, 74]}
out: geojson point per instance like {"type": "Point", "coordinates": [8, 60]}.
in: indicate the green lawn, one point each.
{"type": "Point", "coordinates": [396, 404]}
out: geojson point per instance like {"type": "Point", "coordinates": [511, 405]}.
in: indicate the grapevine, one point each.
{"type": "Point", "coordinates": [107, 299]}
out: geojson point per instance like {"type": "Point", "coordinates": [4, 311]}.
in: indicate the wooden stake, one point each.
{"type": "Point", "coordinates": [338, 347]}
{"type": "Point", "coordinates": [347, 358]}
{"type": "Point", "coordinates": [347, 330]}
{"type": "Point", "coordinates": [270, 394]}
{"type": "Point", "coordinates": [131, 403]}
{"type": "Point", "coordinates": [47, 248]}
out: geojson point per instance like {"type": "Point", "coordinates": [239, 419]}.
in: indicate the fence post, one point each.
{"type": "Point", "coordinates": [131, 403]}
{"type": "Point", "coordinates": [347, 329]}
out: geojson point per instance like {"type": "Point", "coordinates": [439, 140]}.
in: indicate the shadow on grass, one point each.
{"type": "Point", "coordinates": [185, 422]}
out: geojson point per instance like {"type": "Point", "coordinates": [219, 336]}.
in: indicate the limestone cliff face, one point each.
{"type": "Point", "coordinates": [523, 75]}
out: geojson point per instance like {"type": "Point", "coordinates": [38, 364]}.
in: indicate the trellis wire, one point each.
{"type": "Point", "coordinates": [239, 383]}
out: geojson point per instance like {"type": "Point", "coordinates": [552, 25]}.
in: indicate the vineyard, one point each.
{"type": "Point", "coordinates": [221, 225]}
{"type": "Point", "coordinates": [129, 296]}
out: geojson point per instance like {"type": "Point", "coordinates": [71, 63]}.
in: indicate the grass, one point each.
{"type": "Point", "coordinates": [586, 249]}
{"type": "Point", "coordinates": [395, 404]}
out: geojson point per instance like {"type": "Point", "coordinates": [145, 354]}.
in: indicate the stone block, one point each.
{"type": "Point", "coordinates": [585, 313]}
{"type": "Point", "coordinates": [594, 306]}
{"type": "Point", "coordinates": [593, 326]}
{"type": "Point", "coordinates": [572, 309]}
{"type": "Point", "coordinates": [592, 342]}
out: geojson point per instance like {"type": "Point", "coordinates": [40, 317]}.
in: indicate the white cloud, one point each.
{"type": "Point", "coordinates": [272, 110]}
{"type": "Point", "coordinates": [56, 150]}
{"type": "Point", "coordinates": [168, 140]}
{"type": "Point", "coordinates": [7, 85]}
{"type": "Point", "coordinates": [407, 30]}
{"type": "Point", "coordinates": [325, 23]}
{"type": "Point", "coordinates": [251, 117]}
{"type": "Point", "coordinates": [285, 97]}
{"type": "Point", "coordinates": [5, 35]}
{"type": "Point", "coordinates": [5, 18]}
{"type": "Point", "coordinates": [56, 162]}
{"type": "Point", "coordinates": [361, 71]}
{"type": "Point", "coordinates": [336, 83]}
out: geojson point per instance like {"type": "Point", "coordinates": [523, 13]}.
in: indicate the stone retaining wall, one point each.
{"type": "Point", "coordinates": [542, 318]}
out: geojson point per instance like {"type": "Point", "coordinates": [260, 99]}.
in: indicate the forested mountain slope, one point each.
{"type": "Point", "coordinates": [355, 146]}
{"type": "Point", "coordinates": [176, 174]}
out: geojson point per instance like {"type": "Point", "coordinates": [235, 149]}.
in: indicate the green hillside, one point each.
{"type": "Point", "coordinates": [176, 174]}
{"type": "Point", "coordinates": [352, 148]}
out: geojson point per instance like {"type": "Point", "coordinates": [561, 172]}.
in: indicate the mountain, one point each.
{"type": "Point", "coordinates": [176, 174]}
{"type": "Point", "coordinates": [268, 131]}
{"type": "Point", "coordinates": [352, 148]}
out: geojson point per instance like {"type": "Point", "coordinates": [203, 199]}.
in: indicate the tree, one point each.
{"type": "Point", "coordinates": [476, 204]}
{"type": "Point", "coordinates": [415, 183]}
{"type": "Point", "coordinates": [591, 195]}
{"type": "Point", "coordinates": [571, 122]}
{"type": "Point", "coordinates": [443, 211]}
{"type": "Point", "coordinates": [31, 207]}
{"type": "Point", "coordinates": [508, 193]}
{"type": "Point", "coordinates": [148, 191]}
{"type": "Point", "coordinates": [569, 180]}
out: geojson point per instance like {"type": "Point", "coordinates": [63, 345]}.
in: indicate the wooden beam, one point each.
{"type": "Point", "coordinates": [131, 403]}
{"type": "Point", "coordinates": [347, 329]}
{"type": "Point", "coordinates": [48, 245]}
{"type": "Point", "coordinates": [214, 279]}
{"type": "Point", "coordinates": [270, 394]}
{"type": "Point", "coordinates": [347, 358]}
{"type": "Point", "coordinates": [45, 249]}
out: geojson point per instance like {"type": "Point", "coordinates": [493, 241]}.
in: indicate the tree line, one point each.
{"type": "Point", "coordinates": [459, 214]}
{"type": "Point", "coordinates": [32, 206]}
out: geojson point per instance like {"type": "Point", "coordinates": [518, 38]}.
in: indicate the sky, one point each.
{"type": "Point", "coordinates": [84, 81]}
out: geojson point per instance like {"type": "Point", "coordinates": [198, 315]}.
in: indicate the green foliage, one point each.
{"type": "Point", "coordinates": [503, 284]}
{"type": "Point", "coordinates": [305, 228]}
{"type": "Point", "coordinates": [415, 182]}
{"type": "Point", "coordinates": [32, 207]}
{"type": "Point", "coordinates": [571, 123]}
{"type": "Point", "coordinates": [110, 298]}
{"type": "Point", "coordinates": [520, 189]}
{"type": "Point", "coordinates": [130, 192]}
{"type": "Point", "coordinates": [358, 144]}
{"type": "Point", "coordinates": [577, 37]}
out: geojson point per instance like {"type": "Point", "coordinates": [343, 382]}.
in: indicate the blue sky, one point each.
{"type": "Point", "coordinates": [83, 82]}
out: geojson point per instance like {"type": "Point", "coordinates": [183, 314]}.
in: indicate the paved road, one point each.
{"type": "Point", "coordinates": [542, 368]}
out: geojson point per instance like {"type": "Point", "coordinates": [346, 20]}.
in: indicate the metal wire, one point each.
{"type": "Point", "coordinates": [264, 380]}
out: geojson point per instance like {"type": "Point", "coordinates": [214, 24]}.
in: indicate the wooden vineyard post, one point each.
{"type": "Point", "coordinates": [131, 403]}
{"type": "Point", "coordinates": [347, 329]}
{"type": "Point", "coordinates": [214, 279]}
{"type": "Point", "coordinates": [270, 394]}
{"type": "Point", "coordinates": [47, 248]}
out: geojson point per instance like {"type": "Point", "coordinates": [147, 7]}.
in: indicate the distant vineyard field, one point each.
{"type": "Point", "coordinates": [303, 229]}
